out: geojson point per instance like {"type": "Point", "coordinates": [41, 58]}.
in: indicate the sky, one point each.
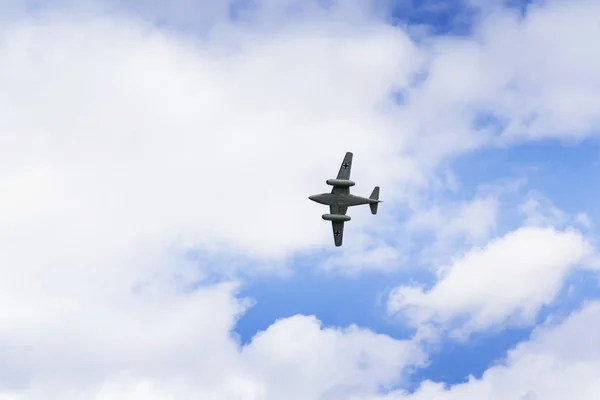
{"type": "Point", "coordinates": [156, 237]}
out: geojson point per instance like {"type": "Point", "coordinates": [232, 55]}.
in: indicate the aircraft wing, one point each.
{"type": "Point", "coordinates": [338, 232]}
{"type": "Point", "coordinates": [346, 167]}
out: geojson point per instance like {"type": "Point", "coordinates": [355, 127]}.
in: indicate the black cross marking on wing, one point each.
{"type": "Point", "coordinates": [345, 165]}
{"type": "Point", "coordinates": [337, 233]}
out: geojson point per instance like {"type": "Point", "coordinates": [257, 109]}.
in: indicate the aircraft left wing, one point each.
{"type": "Point", "coordinates": [346, 167]}
{"type": "Point", "coordinates": [338, 232]}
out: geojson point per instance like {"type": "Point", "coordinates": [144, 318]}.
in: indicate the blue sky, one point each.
{"type": "Point", "coordinates": [562, 171]}
{"type": "Point", "coordinates": [158, 158]}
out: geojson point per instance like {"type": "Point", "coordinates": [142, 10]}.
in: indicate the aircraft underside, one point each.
{"type": "Point", "coordinates": [340, 199]}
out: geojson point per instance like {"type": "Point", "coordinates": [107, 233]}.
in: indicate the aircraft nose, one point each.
{"type": "Point", "coordinates": [312, 197]}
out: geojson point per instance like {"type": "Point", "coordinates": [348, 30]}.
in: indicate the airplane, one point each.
{"type": "Point", "coordinates": [340, 199]}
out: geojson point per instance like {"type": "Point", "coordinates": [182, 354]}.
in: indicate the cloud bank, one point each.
{"type": "Point", "coordinates": [125, 146]}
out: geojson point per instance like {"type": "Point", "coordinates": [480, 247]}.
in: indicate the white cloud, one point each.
{"type": "Point", "coordinates": [535, 75]}
{"type": "Point", "coordinates": [583, 220]}
{"type": "Point", "coordinates": [123, 146]}
{"type": "Point", "coordinates": [509, 279]}
{"type": "Point", "coordinates": [561, 362]}
{"type": "Point", "coordinates": [555, 80]}
{"type": "Point", "coordinates": [473, 219]}
{"type": "Point", "coordinates": [446, 227]}
{"type": "Point", "coordinates": [187, 123]}
{"type": "Point", "coordinates": [294, 352]}
{"type": "Point", "coordinates": [539, 211]}
{"type": "Point", "coordinates": [163, 346]}
{"type": "Point", "coordinates": [142, 136]}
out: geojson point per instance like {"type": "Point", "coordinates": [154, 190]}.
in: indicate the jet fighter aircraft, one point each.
{"type": "Point", "coordinates": [340, 199]}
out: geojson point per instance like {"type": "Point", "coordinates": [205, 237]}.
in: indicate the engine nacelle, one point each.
{"type": "Point", "coordinates": [336, 217]}
{"type": "Point", "coordinates": [340, 182]}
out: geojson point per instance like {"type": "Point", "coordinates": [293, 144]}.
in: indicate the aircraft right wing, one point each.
{"type": "Point", "coordinates": [338, 232]}
{"type": "Point", "coordinates": [346, 167]}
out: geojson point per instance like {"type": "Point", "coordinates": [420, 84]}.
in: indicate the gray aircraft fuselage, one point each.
{"type": "Point", "coordinates": [341, 201]}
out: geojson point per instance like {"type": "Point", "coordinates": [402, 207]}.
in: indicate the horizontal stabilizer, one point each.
{"type": "Point", "coordinates": [373, 208]}
{"type": "Point", "coordinates": [374, 196]}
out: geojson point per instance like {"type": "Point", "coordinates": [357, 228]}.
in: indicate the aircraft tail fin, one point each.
{"type": "Point", "coordinates": [374, 196]}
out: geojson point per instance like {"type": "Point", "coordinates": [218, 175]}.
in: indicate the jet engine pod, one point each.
{"type": "Point", "coordinates": [336, 217]}
{"type": "Point", "coordinates": [340, 182]}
